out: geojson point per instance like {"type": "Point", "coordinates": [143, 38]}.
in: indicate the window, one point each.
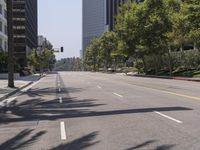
{"type": "Point", "coordinates": [1, 47]}
{"type": "Point", "coordinates": [5, 45]}
{"type": "Point", "coordinates": [5, 13]}
{"type": "Point", "coordinates": [1, 29]}
{"type": "Point", "coordinates": [0, 9]}
{"type": "Point", "coordinates": [5, 30]}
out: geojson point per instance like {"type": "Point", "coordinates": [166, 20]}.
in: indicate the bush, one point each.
{"type": "Point", "coordinates": [183, 63]}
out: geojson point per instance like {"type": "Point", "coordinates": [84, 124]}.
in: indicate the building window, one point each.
{"type": "Point", "coordinates": [6, 46]}
{"type": "Point", "coordinates": [5, 30]}
{"type": "Point", "coordinates": [1, 47]}
{"type": "Point", "coordinates": [5, 13]}
{"type": "Point", "coordinates": [0, 9]}
{"type": "Point", "coordinates": [1, 29]}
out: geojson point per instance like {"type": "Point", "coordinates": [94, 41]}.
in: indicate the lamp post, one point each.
{"type": "Point", "coordinates": [10, 43]}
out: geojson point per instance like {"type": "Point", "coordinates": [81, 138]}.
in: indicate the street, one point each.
{"type": "Point", "coordinates": [96, 111]}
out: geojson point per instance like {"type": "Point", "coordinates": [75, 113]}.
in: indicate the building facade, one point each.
{"type": "Point", "coordinates": [99, 16]}
{"type": "Point", "coordinates": [25, 26]}
{"type": "Point", "coordinates": [3, 26]}
{"type": "Point", "coordinates": [94, 13]}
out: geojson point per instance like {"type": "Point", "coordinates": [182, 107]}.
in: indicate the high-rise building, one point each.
{"type": "Point", "coordinates": [99, 16]}
{"type": "Point", "coordinates": [25, 26]}
{"type": "Point", "coordinates": [93, 20]}
{"type": "Point", "coordinates": [112, 9]}
{"type": "Point", "coordinates": [3, 26]}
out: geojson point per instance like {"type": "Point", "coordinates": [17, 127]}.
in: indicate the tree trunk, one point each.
{"type": "Point", "coordinates": [145, 66]}
{"type": "Point", "coordinates": [170, 62]}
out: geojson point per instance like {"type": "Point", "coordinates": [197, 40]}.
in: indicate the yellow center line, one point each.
{"type": "Point", "coordinates": [181, 95]}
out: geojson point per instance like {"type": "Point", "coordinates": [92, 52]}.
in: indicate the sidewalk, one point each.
{"type": "Point", "coordinates": [20, 83]}
{"type": "Point", "coordinates": [166, 77]}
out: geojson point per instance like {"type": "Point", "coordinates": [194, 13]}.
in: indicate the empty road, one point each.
{"type": "Point", "coordinates": [96, 111]}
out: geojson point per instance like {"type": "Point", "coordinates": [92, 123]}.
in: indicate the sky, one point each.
{"type": "Point", "coordinates": [60, 21]}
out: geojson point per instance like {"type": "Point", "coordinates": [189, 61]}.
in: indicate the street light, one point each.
{"type": "Point", "coordinates": [10, 43]}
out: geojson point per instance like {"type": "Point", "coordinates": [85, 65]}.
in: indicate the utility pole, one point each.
{"type": "Point", "coordinates": [10, 44]}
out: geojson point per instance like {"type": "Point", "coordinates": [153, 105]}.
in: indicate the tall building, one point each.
{"type": "Point", "coordinates": [25, 26]}
{"type": "Point", "coordinates": [112, 9]}
{"type": "Point", "coordinates": [3, 26]}
{"type": "Point", "coordinates": [94, 12]}
{"type": "Point", "coordinates": [99, 16]}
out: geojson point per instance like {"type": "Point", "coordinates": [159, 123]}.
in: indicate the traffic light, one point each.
{"type": "Point", "coordinates": [62, 49]}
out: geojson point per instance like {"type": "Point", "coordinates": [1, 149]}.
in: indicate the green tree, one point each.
{"type": "Point", "coordinates": [108, 47]}
{"type": "Point", "coordinates": [91, 58]}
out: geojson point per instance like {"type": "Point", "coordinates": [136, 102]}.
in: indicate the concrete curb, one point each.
{"type": "Point", "coordinates": [166, 77]}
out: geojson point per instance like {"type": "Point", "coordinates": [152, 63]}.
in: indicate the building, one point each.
{"type": "Point", "coordinates": [3, 26]}
{"type": "Point", "coordinates": [25, 26]}
{"type": "Point", "coordinates": [93, 20]}
{"type": "Point", "coordinates": [112, 9]}
{"type": "Point", "coordinates": [99, 17]}
{"type": "Point", "coordinates": [43, 43]}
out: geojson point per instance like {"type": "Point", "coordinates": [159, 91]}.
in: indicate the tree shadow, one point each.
{"type": "Point", "coordinates": [80, 143]}
{"type": "Point", "coordinates": [165, 147]}
{"type": "Point", "coordinates": [21, 140]}
{"type": "Point", "coordinates": [141, 145]}
{"type": "Point", "coordinates": [42, 112]}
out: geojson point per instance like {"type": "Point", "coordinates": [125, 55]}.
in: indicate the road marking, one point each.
{"type": "Point", "coordinates": [181, 95]}
{"type": "Point", "coordinates": [29, 87]}
{"type": "Point", "coordinates": [99, 87]}
{"type": "Point", "coordinates": [63, 131]}
{"type": "Point", "coordinates": [118, 95]}
{"type": "Point", "coordinates": [178, 121]}
{"type": "Point", "coordinates": [59, 89]}
{"type": "Point", "coordinates": [60, 99]}
{"type": "Point", "coordinates": [6, 102]}
{"type": "Point", "coordinates": [58, 84]}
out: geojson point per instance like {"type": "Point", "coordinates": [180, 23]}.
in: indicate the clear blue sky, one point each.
{"type": "Point", "coordinates": [60, 21]}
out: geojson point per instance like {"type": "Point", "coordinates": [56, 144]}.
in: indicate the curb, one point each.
{"type": "Point", "coordinates": [15, 91]}
{"type": "Point", "coordinates": [165, 77]}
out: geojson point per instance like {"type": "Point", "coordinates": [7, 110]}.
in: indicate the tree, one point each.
{"type": "Point", "coordinates": [108, 47]}
{"type": "Point", "coordinates": [126, 28]}
{"type": "Point", "coordinates": [42, 61]}
{"type": "Point", "coordinates": [91, 58]}
{"type": "Point", "coordinates": [193, 17]}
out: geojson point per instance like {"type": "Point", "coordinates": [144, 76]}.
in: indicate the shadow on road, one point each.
{"type": "Point", "coordinates": [143, 146]}
{"type": "Point", "coordinates": [22, 140]}
{"type": "Point", "coordinates": [51, 110]}
{"type": "Point", "coordinates": [79, 144]}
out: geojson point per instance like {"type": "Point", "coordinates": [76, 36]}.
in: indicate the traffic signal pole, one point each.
{"type": "Point", "coordinates": [10, 44]}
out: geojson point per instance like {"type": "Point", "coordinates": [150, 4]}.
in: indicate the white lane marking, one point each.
{"type": "Point", "coordinates": [63, 131]}
{"type": "Point", "coordinates": [118, 95]}
{"type": "Point", "coordinates": [99, 87]}
{"type": "Point", "coordinates": [60, 99]}
{"type": "Point", "coordinates": [59, 89]}
{"type": "Point", "coordinates": [178, 121]}
{"type": "Point", "coordinates": [6, 102]}
{"type": "Point", "coordinates": [32, 85]}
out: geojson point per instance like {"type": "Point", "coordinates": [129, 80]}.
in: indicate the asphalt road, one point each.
{"type": "Point", "coordinates": [95, 111]}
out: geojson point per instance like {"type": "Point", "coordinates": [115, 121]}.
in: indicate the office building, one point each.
{"type": "Point", "coordinates": [93, 20]}
{"type": "Point", "coordinates": [99, 16]}
{"type": "Point", "coordinates": [25, 26]}
{"type": "Point", "coordinates": [3, 26]}
{"type": "Point", "coordinates": [112, 9]}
